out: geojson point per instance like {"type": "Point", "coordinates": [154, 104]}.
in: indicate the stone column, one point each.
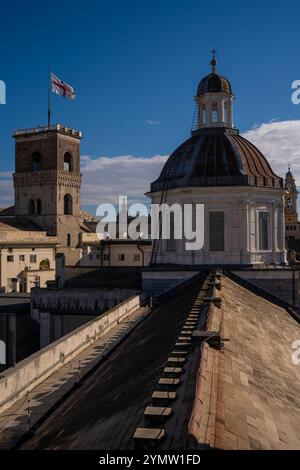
{"type": "Point", "coordinates": [235, 232]}
{"type": "Point", "coordinates": [275, 226]}
{"type": "Point", "coordinates": [208, 113]}
{"type": "Point", "coordinates": [245, 232]}
{"type": "Point", "coordinates": [252, 234]}
{"type": "Point", "coordinates": [281, 228]}
{"type": "Point", "coordinates": [220, 105]}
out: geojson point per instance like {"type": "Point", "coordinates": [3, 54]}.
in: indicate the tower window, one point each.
{"type": "Point", "coordinates": [68, 205]}
{"type": "Point", "coordinates": [36, 161]}
{"type": "Point", "coordinates": [38, 207]}
{"type": "Point", "coordinates": [216, 231]}
{"type": "Point", "coordinates": [263, 230]}
{"type": "Point", "coordinates": [204, 114]}
{"type": "Point", "coordinates": [68, 162]}
{"type": "Point", "coordinates": [68, 239]}
{"type": "Point", "coordinates": [31, 208]}
{"type": "Point", "coordinates": [214, 112]}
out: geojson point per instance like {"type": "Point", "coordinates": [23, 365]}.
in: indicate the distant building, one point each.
{"type": "Point", "coordinates": [46, 218]}
{"type": "Point", "coordinates": [242, 196]}
{"type": "Point", "coordinates": [115, 253]}
{"type": "Point", "coordinates": [243, 199]}
{"type": "Point", "coordinates": [27, 255]}
{"type": "Point", "coordinates": [47, 183]}
{"type": "Point", "coordinates": [292, 225]}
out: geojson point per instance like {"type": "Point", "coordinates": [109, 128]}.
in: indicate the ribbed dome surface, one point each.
{"type": "Point", "coordinates": [214, 83]}
{"type": "Point", "coordinates": [217, 157]}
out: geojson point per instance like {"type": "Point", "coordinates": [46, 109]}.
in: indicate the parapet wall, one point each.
{"type": "Point", "coordinates": [15, 382]}
{"type": "Point", "coordinates": [80, 300]}
{"type": "Point", "coordinates": [158, 282]}
{"type": "Point", "coordinates": [283, 284]}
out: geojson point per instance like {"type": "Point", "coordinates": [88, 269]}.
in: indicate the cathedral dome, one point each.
{"type": "Point", "coordinates": [216, 154]}
{"type": "Point", "coordinates": [216, 157]}
{"type": "Point", "coordinates": [214, 83]}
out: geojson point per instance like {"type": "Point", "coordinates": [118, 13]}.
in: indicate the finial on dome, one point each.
{"type": "Point", "coordinates": [213, 61]}
{"type": "Point", "coordinates": [289, 168]}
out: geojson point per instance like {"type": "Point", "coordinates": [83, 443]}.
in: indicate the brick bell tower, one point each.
{"type": "Point", "coordinates": [47, 183]}
{"type": "Point", "coordinates": [291, 214]}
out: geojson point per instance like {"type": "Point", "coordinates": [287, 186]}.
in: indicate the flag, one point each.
{"type": "Point", "coordinates": [61, 88]}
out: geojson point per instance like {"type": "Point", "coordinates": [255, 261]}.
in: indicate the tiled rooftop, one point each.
{"type": "Point", "coordinates": [250, 391]}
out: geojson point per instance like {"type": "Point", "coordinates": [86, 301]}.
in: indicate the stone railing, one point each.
{"type": "Point", "coordinates": [16, 382]}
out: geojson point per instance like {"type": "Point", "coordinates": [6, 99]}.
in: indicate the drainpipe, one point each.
{"type": "Point", "coordinates": [292, 263]}
{"type": "Point", "coordinates": [109, 253]}
{"type": "Point", "coordinates": [1, 265]}
{"type": "Point", "coordinates": [294, 288]}
{"type": "Point", "coordinates": [102, 249]}
{"type": "Point", "coordinates": [143, 254]}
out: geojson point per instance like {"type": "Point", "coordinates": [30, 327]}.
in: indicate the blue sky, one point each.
{"type": "Point", "coordinates": [136, 61]}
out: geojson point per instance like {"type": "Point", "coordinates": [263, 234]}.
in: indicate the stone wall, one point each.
{"type": "Point", "coordinates": [80, 300]}
{"type": "Point", "coordinates": [278, 282]}
{"type": "Point", "coordinates": [158, 282]}
{"type": "Point", "coordinates": [15, 382]}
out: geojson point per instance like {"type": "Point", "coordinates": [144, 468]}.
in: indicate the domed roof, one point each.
{"type": "Point", "coordinates": [289, 173]}
{"type": "Point", "coordinates": [214, 83]}
{"type": "Point", "coordinates": [216, 157]}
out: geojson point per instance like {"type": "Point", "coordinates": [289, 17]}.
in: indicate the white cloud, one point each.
{"type": "Point", "coordinates": [279, 141]}
{"type": "Point", "coordinates": [6, 189]}
{"type": "Point", "coordinates": [104, 178]}
{"type": "Point", "coordinates": [150, 122]}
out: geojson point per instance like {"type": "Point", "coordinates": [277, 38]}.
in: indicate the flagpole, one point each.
{"type": "Point", "coordinates": [49, 98]}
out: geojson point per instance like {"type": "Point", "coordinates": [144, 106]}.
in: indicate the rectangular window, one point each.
{"type": "Point", "coordinates": [22, 258]}
{"type": "Point", "coordinates": [32, 258]}
{"type": "Point", "coordinates": [121, 257]}
{"type": "Point", "coordinates": [216, 231]}
{"type": "Point", "coordinates": [98, 256]}
{"type": "Point", "coordinates": [10, 258]}
{"type": "Point", "coordinates": [263, 230]}
{"type": "Point", "coordinates": [136, 257]}
{"type": "Point", "coordinates": [91, 256]}
{"type": "Point", "coordinates": [106, 257]}
{"type": "Point", "coordinates": [214, 112]}
{"type": "Point", "coordinates": [204, 114]}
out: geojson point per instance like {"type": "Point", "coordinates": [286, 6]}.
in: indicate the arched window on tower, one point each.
{"type": "Point", "coordinates": [38, 207]}
{"type": "Point", "coordinates": [31, 207]}
{"type": "Point", "coordinates": [68, 204]}
{"type": "Point", "coordinates": [68, 162]}
{"type": "Point", "coordinates": [36, 161]}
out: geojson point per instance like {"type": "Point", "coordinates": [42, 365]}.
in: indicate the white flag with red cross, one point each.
{"type": "Point", "coordinates": [61, 88]}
